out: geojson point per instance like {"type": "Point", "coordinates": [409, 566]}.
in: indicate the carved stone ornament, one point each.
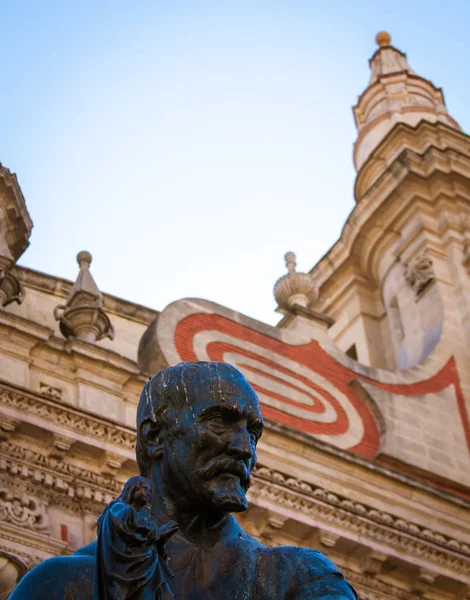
{"type": "Point", "coordinates": [419, 272]}
{"type": "Point", "coordinates": [83, 316]}
{"type": "Point", "coordinates": [10, 289]}
{"type": "Point", "coordinates": [50, 391]}
{"type": "Point", "coordinates": [19, 510]}
{"type": "Point", "coordinates": [294, 288]}
{"type": "Point", "coordinates": [15, 229]}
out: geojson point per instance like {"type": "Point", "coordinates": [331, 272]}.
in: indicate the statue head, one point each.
{"type": "Point", "coordinates": [136, 491]}
{"type": "Point", "coordinates": [197, 429]}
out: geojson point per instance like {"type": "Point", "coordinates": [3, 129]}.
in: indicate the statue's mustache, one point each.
{"type": "Point", "coordinates": [226, 465]}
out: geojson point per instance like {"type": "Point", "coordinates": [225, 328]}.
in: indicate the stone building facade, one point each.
{"type": "Point", "coordinates": [364, 382]}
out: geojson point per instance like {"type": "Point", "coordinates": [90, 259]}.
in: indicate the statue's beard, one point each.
{"type": "Point", "coordinates": [226, 494]}
{"type": "Point", "coordinates": [225, 481]}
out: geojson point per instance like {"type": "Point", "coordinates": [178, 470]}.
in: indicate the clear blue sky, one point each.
{"type": "Point", "coordinates": [189, 144]}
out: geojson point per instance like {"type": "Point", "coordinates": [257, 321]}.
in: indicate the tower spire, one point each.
{"type": "Point", "coordinates": [395, 94]}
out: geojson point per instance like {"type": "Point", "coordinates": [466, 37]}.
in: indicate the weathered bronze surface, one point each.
{"type": "Point", "coordinates": [197, 429]}
{"type": "Point", "coordinates": [130, 559]}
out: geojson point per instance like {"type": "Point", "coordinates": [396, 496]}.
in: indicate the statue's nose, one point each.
{"type": "Point", "coordinates": [240, 444]}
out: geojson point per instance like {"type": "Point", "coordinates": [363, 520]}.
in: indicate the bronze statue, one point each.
{"type": "Point", "coordinates": [197, 429]}
{"type": "Point", "coordinates": [130, 559]}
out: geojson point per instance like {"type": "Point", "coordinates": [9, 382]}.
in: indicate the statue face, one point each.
{"type": "Point", "coordinates": [209, 456]}
{"type": "Point", "coordinates": [142, 494]}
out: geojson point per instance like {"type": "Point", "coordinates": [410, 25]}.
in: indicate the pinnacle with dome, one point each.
{"type": "Point", "coordinates": [294, 288]}
{"type": "Point", "coordinates": [82, 316]}
{"type": "Point", "coordinates": [394, 94]}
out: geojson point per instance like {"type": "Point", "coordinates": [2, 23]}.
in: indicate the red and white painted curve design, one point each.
{"type": "Point", "coordinates": [287, 386]}
{"type": "Point", "coordinates": [299, 383]}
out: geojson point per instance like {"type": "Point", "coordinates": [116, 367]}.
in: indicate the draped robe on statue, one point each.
{"type": "Point", "coordinates": [128, 564]}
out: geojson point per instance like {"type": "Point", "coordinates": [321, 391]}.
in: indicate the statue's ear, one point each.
{"type": "Point", "coordinates": [151, 434]}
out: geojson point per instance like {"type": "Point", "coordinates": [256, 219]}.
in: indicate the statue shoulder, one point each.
{"type": "Point", "coordinates": [312, 574]}
{"type": "Point", "coordinates": [59, 578]}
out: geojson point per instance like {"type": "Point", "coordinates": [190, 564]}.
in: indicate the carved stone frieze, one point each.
{"type": "Point", "coordinates": [56, 481]}
{"type": "Point", "coordinates": [22, 511]}
{"type": "Point", "coordinates": [65, 484]}
{"type": "Point", "coordinates": [365, 522]}
{"type": "Point", "coordinates": [91, 489]}
{"type": "Point", "coordinates": [50, 391]}
{"type": "Point", "coordinates": [68, 418]}
{"type": "Point", "coordinates": [323, 495]}
{"type": "Point", "coordinates": [371, 588]}
{"type": "Point", "coordinates": [419, 272]}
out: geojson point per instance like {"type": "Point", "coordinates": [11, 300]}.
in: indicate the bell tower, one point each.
{"type": "Point", "coordinates": [395, 94]}
{"type": "Point", "coordinates": [397, 281]}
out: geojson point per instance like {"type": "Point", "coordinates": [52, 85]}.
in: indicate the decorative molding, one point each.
{"type": "Point", "coordinates": [78, 484]}
{"type": "Point", "coordinates": [111, 463]}
{"type": "Point", "coordinates": [57, 480]}
{"type": "Point", "coordinates": [371, 588]}
{"type": "Point", "coordinates": [419, 272]}
{"type": "Point", "coordinates": [75, 488]}
{"type": "Point", "coordinates": [50, 391]}
{"type": "Point", "coordinates": [60, 446]}
{"type": "Point", "coordinates": [366, 522]}
{"type": "Point", "coordinates": [7, 427]}
{"type": "Point", "coordinates": [68, 418]}
{"type": "Point", "coordinates": [20, 510]}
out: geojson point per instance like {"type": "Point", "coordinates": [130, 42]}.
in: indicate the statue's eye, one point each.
{"type": "Point", "coordinates": [217, 420]}
{"type": "Point", "coordinates": [255, 434]}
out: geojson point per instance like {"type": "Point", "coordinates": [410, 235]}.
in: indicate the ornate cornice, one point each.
{"type": "Point", "coordinates": [67, 417]}
{"type": "Point", "coordinates": [363, 521]}
{"type": "Point", "coordinates": [21, 510]}
{"type": "Point", "coordinates": [56, 482]}
{"type": "Point", "coordinates": [371, 588]}
{"type": "Point", "coordinates": [63, 483]}
{"type": "Point", "coordinates": [66, 482]}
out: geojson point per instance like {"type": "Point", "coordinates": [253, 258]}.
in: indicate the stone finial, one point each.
{"type": "Point", "coordinates": [383, 38]}
{"type": "Point", "coordinates": [83, 316]}
{"type": "Point", "coordinates": [387, 59]}
{"type": "Point", "coordinates": [294, 288]}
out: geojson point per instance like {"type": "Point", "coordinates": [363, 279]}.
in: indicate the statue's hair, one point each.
{"type": "Point", "coordinates": [166, 393]}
